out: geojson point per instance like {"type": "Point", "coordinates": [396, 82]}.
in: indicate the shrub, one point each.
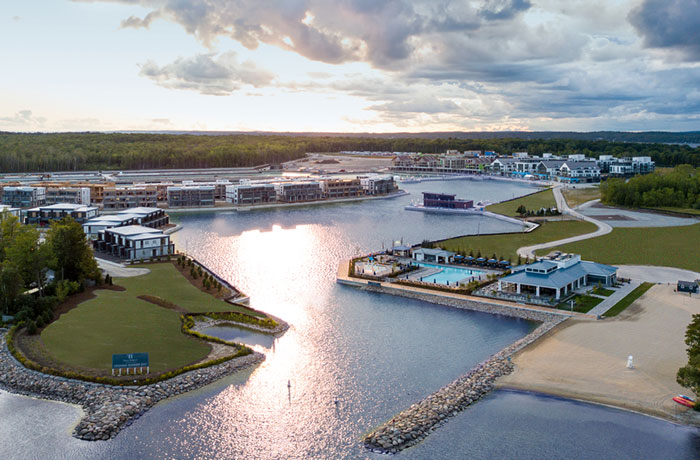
{"type": "Point", "coordinates": [31, 327]}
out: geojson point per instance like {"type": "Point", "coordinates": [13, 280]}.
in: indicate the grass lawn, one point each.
{"type": "Point", "coordinates": [662, 246]}
{"type": "Point", "coordinates": [577, 196]}
{"type": "Point", "coordinates": [505, 246]}
{"type": "Point", "coordinates": [582, 303]}
{"type": "Point", "coordinates": [695, 212]}
{"type": "Point", "coordinates": [535, 202]}
{"type": "Point", "coordinates": [119, 322]}
{"type": "Point", "coordinates": [602, 291]}
{"type": "Point", "coordinates": [629, 299]}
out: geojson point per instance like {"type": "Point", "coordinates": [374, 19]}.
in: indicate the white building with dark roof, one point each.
{"type": "Point", "coordinates": [134, 242]}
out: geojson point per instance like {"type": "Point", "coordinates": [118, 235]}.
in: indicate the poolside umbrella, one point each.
{"type": "Point", "coordinates": [493, 261]}
{"type": "Point", "coordinates": [470, 258]}
{"type": "Point", "coordinates": [459, 256]}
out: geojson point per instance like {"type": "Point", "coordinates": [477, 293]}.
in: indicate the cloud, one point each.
{"type": "Point", "coordinates": [138, 23]}
{"type": "Point", "coordinates": [504, 9]}
{"type": "Point", "coordinates": [207, 73]}
{"type": "Point", "coordinates": [670, 24]}
{"type": "Point", "coordinates": [23, 119]}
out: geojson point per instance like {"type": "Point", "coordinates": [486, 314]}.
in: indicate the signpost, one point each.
{"type": "Point", "coordinates": [130, 361]}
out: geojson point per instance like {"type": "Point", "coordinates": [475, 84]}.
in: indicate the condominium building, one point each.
{"type": "Point", "coordinates": [632, 166]}
{"type": "Point", "coordinates": [130, 197]}
{"type": "Point", "coordinates": [75, 195]}
{"type": "Point", "coordinates": [191, 196]}
{"type": "Point", "coordinates": [147, 217]}
{"type": "Point", "coordinates": [23, 197]}
{"type": "Point", "coordinates": [291, 192]}
{"type": "Point", "coordinates": [341, 188]}
{"type": "Point", "coordinates": [378, 185]}
{"type": "Point", "coordinates": [44, 215]}
{"type": "Point", "coordinates": [249, 194]}
{"type": "Point", "coordinates": [134, 242]}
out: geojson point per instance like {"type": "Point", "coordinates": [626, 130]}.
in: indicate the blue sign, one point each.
{"type": "Point", "coordinates": [129, 360]}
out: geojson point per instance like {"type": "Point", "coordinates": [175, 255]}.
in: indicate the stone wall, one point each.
{"type": "Point", "coordinates": [107, 409]}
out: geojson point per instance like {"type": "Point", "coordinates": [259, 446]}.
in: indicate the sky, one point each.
{"type": "Point", "coordinates": [350, 65]}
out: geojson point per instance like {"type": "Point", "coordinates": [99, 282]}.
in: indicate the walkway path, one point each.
{"type": "Point", "coordinates": [613, 298]}
{"type": "Point", "coordinates": [119, 270]}
{"type": "Point", "coordinates": [603, 228]}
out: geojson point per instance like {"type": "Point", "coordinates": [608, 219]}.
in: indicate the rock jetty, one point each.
{"type": "Point", "coordinates": [107, 409]}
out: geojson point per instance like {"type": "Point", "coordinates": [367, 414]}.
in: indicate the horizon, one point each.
{"type": "Point", "coordinates": [351, 67]}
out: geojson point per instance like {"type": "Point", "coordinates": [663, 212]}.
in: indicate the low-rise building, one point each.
{"type": "Point", "coordinates": [378, 185]}
{"type": "Point", "coordinates": [75, 195]}
{"type": "Point", "coordinates": [556, 277]}
{"type": "Point", "coordinates": [632, 166]}
{"type": "Point", "coordinates": [439, 256]}
{"type": "Point", "coordinates": [688, 286]}
{"type": "Point", "coordinates": [446, 201]}
{"type": "Point", "coordinates": [44, 215]}
{"type": "Point", "coordinates": [13, 211]}
{"type": "Point", "coordinates": [23, 196]}
{"type": "Point", "coordinates": [147, 217]}
{"type": "Point", "coordinates": [579, 171]}
{"type": "Point", "coordinates": [130, 197]}
{"type": "Point", "coordinates": [291, 192]}
{"type": "Point", "coordinates": [191, 196]}
{"type": "Point", "coordinates": [250, 194]}
{"type": "Point", "coordinates": [341, 188]}
{"type": "Point", "coordinates": [134, 242]}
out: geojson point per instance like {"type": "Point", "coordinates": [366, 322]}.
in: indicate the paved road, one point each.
{"type": "Point", "coordinates": [656, 274]}
{"type": "Point", "coordinates": [603, 228]}
{"type": "Point", "coordinates": [119, 270]}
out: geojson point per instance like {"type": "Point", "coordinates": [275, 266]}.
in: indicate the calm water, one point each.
{"type": "Point", "coordinates": [373, 354]}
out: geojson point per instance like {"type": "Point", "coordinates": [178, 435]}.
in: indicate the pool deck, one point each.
{"type": "Point", "coordinates": [343, 278]}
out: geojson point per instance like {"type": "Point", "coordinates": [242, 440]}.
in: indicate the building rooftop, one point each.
{"type": "Point", "coordinates": [552, 276]}
{"type": "Point", "coordinates": [434, 252]}
{"type": "Point", "coordinates": [133, 230]}
{"type": "Point", "coordinates": [65, 207]}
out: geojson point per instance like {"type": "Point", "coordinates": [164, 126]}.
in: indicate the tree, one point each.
{"type": "Point", "coordinates": [522, 210]}
{"type": "Point", "coordinates": [72, 258]}
{"type": "Point", "coordinates": [689, 375]}
{"type": "Point", "coordinates": [28, 257]}
{"type": "Point", "coordinates": [10, 287]}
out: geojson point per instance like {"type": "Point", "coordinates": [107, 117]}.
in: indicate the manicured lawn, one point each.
{"type": "Point", "coordinates": [166, 282]}
{"type": "Point", "coordinates": [505, 246]}
{"type": "Point", "coordinates": [535, 202]}
{"type": "Point", "coordinates": [582, 303]}
{"type": "Point", "coordinates": [602, 291]}
{"type": "Point", "coordinates": [577, 196]}
{"type": "Point", "coordinates": [117, 322]}
{"type": "Point", "coordinates": [629, 299]}
{"type": "Point", "coordinates": [662, 246]}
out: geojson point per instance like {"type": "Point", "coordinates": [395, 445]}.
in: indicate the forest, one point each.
{"type": "Point", "coordinates": [678, 188]}
{"type": "Point", "coordinates": [109, 151]}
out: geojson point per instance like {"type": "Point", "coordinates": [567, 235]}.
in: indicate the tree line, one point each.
{"type": "Point", "coordinates": [679, 188]}
{"type": "Point", "coordinates": [26, 289]}
{"type": "Point", "coordinates": [97, 151]}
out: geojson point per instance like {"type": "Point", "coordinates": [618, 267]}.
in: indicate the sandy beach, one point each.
{"type": "Point", "coordinates": [587, 359]}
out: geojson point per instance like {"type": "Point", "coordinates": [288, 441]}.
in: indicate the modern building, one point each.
{"type": "Point", "coordinates": [632, 166]}
{"type": "Point", "coordinates": [291, 192]}
{"type": "Point", "coordinates": [23, 197]}
{"type": "Point", "coordinates": [556, 277]}
{"type": "Point", "coordinates": [13, 211]}
{"type": "Point", "coordinates": [130, 197]}
{"type": "Point", "coordinates": [44, 215]}
{"type": "Point", "coordinates": [250, 194]}
{"type": "Point", "coordinates": [378, 185]}
{"type": "Point", "coordinates": [579, 171]}
{"type": "Point", "coordinates": [75, 195]}
{"type": "Point", "coordinates": [191, 196]}
{"type": "Point", "coordinates": [433, 255]}
{"type": "Point", "coordinates": [147, 217]}
{"type": "Point", "coordinates": [134, 242]}
{"type": "Point", "coordinates": [341, 188]}
{"type": "Point", "coordinates": [446, 201]}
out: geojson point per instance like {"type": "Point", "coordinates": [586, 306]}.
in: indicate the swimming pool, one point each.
{"type": "Point", "coordinates": [450, 275]}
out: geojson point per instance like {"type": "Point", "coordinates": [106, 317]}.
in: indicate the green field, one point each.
{"type": "Point", "coordinates": [534, 202]}
{"type": "Point", "coordinates": [119, 322]}
{"type": "Point", "coordinates": [582, 303]}
{"type": "Point", "coordinates": [663, 246]}
{"type": "Point", "coordinates": [577, 196]}
{"type": "Point", "coordinates": [627, 300]}
{"type": "Point", "coordinates": [505, 246]}
{"type": "Point", "coordinates": [694, 212]}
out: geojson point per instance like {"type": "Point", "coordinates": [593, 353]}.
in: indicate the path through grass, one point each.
{"type": "Point", "coordinates": [534, 202]}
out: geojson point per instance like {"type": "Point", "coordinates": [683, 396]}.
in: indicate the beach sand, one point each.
{"type": "Point", "coordinates": [587, 359]}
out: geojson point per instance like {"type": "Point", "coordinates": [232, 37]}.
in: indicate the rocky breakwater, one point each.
{"type": "Point", "coordinates": [415, 423]}
{"type": "Point", "coordinates": [107, 409]}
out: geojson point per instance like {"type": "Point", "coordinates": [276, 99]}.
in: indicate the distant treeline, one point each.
{"type": "Point", "coordinates": [679, 188]}
{"type": "Point", "coordinates": [96, 151]}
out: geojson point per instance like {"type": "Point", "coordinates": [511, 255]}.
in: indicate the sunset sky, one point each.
{"type": "Point", "coordinates": [350, 65]}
